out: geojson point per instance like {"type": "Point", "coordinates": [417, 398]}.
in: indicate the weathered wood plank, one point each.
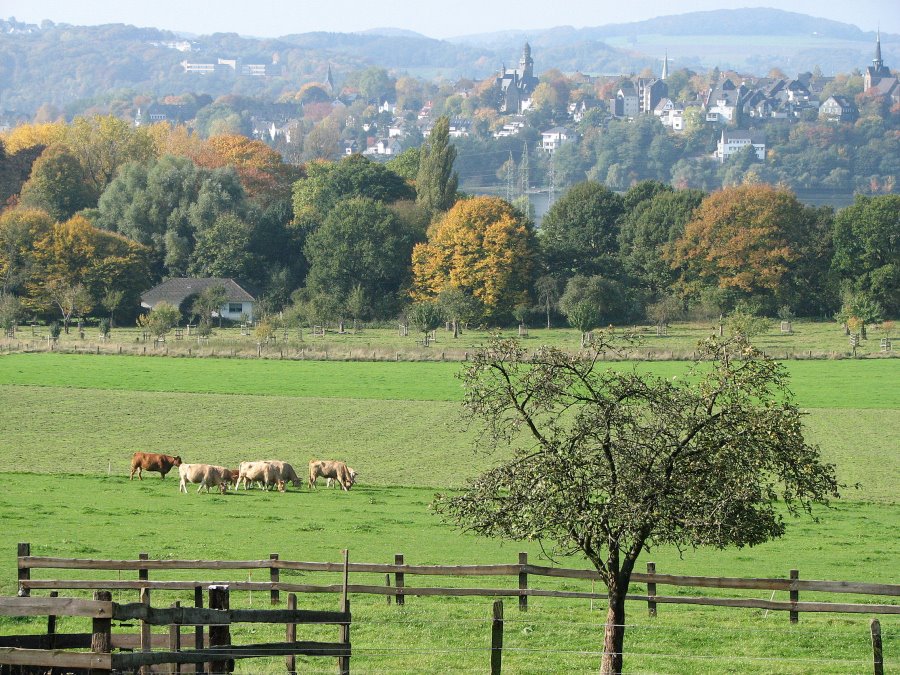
{"type": "Point", "coordinates": [127, 661]}
{"type": "Point", "coordinates": [54, 658]}
{"type": "Point", "coordinates": [12, 606]}
{"type": "Point", "coordinates": [163, 616]}
{"type": "Point", "coordinates": [60, 641]}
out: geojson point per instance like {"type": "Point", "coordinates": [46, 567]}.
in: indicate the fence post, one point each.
{"type": "Point", "coordinates": [291, 636]}
{"type": "Point", "coordinates": [877, 654]}
{"type": "Point", "coordinates": [398, 579]}
{"type": "Point", "coordinates": [651, 590]}
{"type": "Point", "coordinates": [523, 583]}
{"type": "Point", "coordinates": [794, 596]}
{"type": "Point", "coordinates": [219, 634]}
{"type": "Point", "coordinates": [101, 629]}
{"type": "Point", "coordinates": [175, 638]}
{"type": "Point", "coordinates": [198, 631]}
{"type": "Point", "coordinates": [273, 577]}
{"type": "Point", "coordinates": [497, 638]}
{"type": "Point", "coordinates": [344, 634]}
{"type": "Point", "coordinates": [146, 638]}
{"type": "Point", "coordinates": [24, 550]}
{"type": "Point", "coordinates": [387, 582]}
{"type": "Point", "coordinates": [51, 625]}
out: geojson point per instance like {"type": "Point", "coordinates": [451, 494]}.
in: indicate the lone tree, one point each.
{"type": "Point", "coordinates": [607, 463]}
{"type": "Point", "coordinates": [436, 181]}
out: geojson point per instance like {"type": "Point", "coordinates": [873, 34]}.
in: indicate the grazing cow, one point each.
{"type": "Point", "coordinates": [151, 461]}
{"type": "Point", "coordinates": [266, 473]}
{"type": "Point", "coordinates": [207, 475]}
{"type": "Point", "coordinates": [329, 469]}
{"type": "Point", "coordinates": [331, 482]}
{"type": "Point", "coordinates": [284, 472]}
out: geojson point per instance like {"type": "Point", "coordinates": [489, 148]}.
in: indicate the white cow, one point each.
{"type": "Point", "coordinates": [208, 475]}
{"type": "Point", "coordinates": [284, 472]}
{"type": "Point", "coordinates": [330, 469]}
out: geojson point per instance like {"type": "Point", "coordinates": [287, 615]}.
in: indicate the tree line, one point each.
{"type": "Point", "coordinates": [109, 210]}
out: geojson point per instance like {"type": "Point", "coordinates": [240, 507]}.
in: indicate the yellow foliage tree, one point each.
{"type": "Point", "coordinates": [29, 135]}
{"type": "Point", "coordinates": [482, 246]}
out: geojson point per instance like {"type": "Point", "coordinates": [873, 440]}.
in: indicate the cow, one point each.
{"type": "Point", "coordinates": [151, 461]}
{"type": "Point", "coordinates": [329, 469]}
{"type": "Point", "coordinates": [331, 482]}
{"type": "Point", "coordinates": [208, 475]}
{"type": "Point", "coordinates": [284, 472]}
{"type": "Point", "coordinates": [265, 472]}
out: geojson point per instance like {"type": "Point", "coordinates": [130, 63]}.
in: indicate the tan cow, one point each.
{"type": "Point", "coordinates": [208, 475]}
{"type": "Point", "coordinates": [331, 482]}
{"type": "Point", "coordinates": [327, 468]}
{"type": "Point", "coordinates": [151, 461]}
{"type": "Point", "coordinates": [284, 472]}
{"type": "Point", "coordinates": [265, 472]}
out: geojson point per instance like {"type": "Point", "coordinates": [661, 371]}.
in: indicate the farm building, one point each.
{"type": "Point", "coordinates": [240, 299]}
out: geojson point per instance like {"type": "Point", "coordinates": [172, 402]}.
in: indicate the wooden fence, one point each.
{"type": "Point", "coordinates": [399, 590]}
{"type": "Point", "coordinates": [214, 649]}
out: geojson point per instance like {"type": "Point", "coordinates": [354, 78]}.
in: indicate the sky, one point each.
{"type": "Point", "coordinates": [273, 18]}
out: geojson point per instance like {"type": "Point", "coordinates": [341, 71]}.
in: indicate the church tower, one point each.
{"type": "Point", "coordinates": [526, 63]}
{"type": "Point", "coordinates": [665, 70]}
{"type": "Point", "coordinates": [877, 70]}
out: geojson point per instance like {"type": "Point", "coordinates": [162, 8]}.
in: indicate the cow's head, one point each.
{"type": "Point", "coordinates": [177, 460]}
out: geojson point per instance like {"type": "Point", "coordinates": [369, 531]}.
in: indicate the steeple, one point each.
{"type": "Point", "coordinates": [877, 62]}
{"type": "Point", "coordinates": [526, 63]}
{"type": "Point", "coordinates": [665, 70]}
{"type": "Point", "coordinates": [329, 81]}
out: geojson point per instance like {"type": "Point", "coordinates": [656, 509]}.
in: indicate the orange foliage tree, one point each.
{"type": "Point", "coordinates": [482, 246]}
{"type": "Point", "coordinates": [742, 239]}
{"type": "Point", "coordinates": [262, 172]}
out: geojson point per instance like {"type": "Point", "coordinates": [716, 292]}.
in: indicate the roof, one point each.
{"type": "Point", "coordinates": [737, 134]}
{"type": "Point", "coordinates": [175, 291]}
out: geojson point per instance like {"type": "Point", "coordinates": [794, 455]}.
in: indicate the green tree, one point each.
{"type": "Point", "coordinates": [436, 181]}
{"type": "Point", "coordinates": [161, 319]}
{"type": "Point", "coordinates": [605, 295]}
{"type": "Point", "coordinates": [457, 306]}
{"type": "Point", "coordinates": [223, 250]}
{"type": "Point", "coordinates": [547, 290]}
{"type": "Point", "coordinates": [57, 184]}
{"type": "Point", "coordinates": [608, 462]}
{"type": "Point", "coordinates": [426, 316]}
{"type": "Point", "coordinates": [406, 164]}
{"type": "Point", "coordinates": [361, 243]}
{"type": "Point", "coordinates": [867, 249]}
{"type": "Point", "coordinates": [579, 232]}
{"type": "Point", "coordinates": [208, 304]}
{"type": "Point", "coordinates": [10, 312]}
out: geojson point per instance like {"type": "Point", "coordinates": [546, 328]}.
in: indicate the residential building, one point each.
{"type": "Point", "coordinates": [240, 299]}
{"type": "Point", "coordinates": [555, 137]}
{"type": "Point", "coordinates": [838, 109]}
{"type": "Point", "coordinates": [733, 141]}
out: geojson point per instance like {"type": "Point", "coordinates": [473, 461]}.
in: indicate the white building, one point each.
{"type": "Point", "coordinates": [735, 141]}
{"type": "Point", "coordinates": [555, 137]}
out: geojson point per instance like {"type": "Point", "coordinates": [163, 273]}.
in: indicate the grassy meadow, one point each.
{"type": "Point", "coordinates": [69, 424]}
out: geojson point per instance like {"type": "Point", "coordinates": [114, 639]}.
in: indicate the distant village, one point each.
{"type": "Point", "coordinates": [730, 104]}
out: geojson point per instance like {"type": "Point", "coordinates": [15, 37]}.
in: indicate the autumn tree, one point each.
{"type": "Point", "coordinates": [482, 246]}
{"type": "Point", "coordinates": [19, 230]}
{"type": "Point", "coordinates": [104, 143]}
{"type": "Point", "coordinates": [745, 241]}
{"type": "Point", "coordinates": [161, 319]}
{"type": "Point", "coordinates": [436, 181]}
{"type": "Point", "coordinates": [609, 462]}
{"type": "Point", "coordinates": [75, 264]}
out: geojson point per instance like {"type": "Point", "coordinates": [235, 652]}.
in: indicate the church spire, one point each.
{"type": "Point", "coordinates": [665, 70]}
{"type": "Point", "coordinates": [877, 62]}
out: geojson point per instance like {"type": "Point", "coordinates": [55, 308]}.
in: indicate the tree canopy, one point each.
{"type": "Point", "coordinates": [608, 462]}
{"type": "Point", "coordinates": [436, 181]}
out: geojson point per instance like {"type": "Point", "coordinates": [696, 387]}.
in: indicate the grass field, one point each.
{"type": "Point", "coordinates": [70, 423]}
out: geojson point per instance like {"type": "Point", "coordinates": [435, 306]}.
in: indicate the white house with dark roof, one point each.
{"type": "Point", "coordinates": [555, 137]}
{"type": "Point", "coordinates": [240, 298]}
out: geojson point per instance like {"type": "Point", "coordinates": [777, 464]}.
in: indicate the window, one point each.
{"type": "Point", "coordinates": [235, 307]}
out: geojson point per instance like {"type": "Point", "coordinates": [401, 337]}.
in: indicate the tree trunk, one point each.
{"type": "Point", "coordinates": [614, 633]}
{"type": "Point", "coordinates": [862, 331]}
{"type": "Point", "coordinates": [455, 328]}
{"type": "Point", "coordinates": [548, 316]}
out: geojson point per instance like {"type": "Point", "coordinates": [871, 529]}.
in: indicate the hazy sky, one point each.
{"type": "Point", "coordinates": [272, 18]}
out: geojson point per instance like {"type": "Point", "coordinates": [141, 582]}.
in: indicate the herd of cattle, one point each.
{"type": "Point", "coordinates": [266, 473]}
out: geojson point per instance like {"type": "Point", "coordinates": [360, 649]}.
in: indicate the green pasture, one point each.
{"type": "Point", "coordinates": [807, 339]}
{"type": "Point", "coordinates": [69, 424]}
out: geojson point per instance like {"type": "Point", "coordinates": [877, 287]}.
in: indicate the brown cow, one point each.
{"type": "Point", "coordinates": [151, 461]}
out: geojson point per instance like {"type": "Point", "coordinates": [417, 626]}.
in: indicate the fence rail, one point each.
{"type": "Point", "coordinates": [400, 589]}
